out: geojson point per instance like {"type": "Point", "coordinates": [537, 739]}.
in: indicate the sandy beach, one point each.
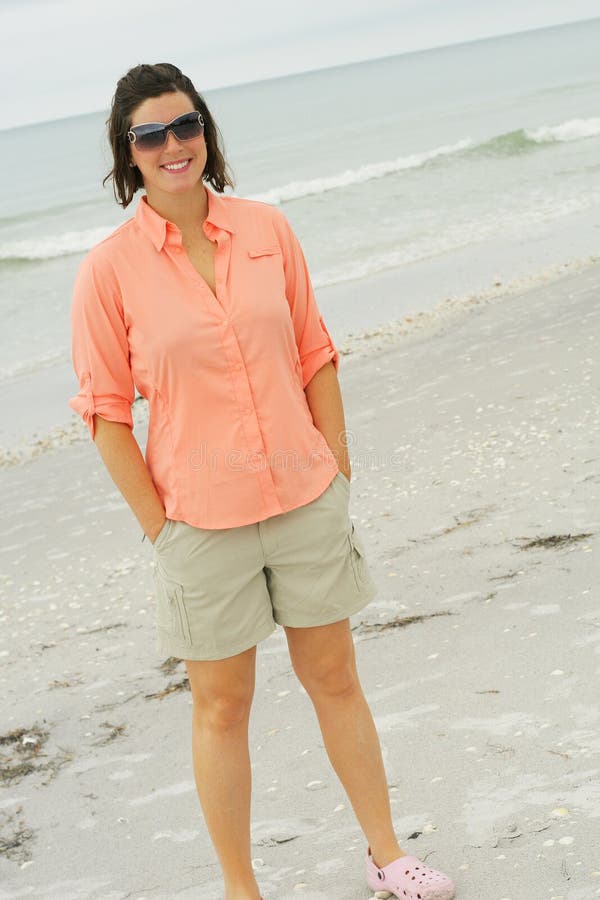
{"type": "Point", "coordinates": [475, 481]}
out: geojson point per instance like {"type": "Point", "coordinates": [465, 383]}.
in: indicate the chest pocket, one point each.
{"type": "Point", "coordinates": [264, 251]}
{"type": "Point", "coordinates": [265, 278]}
{"type": "Point", "coordinates": [268, 309]}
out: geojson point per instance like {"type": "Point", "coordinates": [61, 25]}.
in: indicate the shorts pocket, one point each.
{"type": "Point", "coordinates": [344, 487]}
{"type": "Point", "coordinates": [357, 557]}
{"type": "Point", "coordinates": [163, 534]}
{"type": "Point", "coordinates": [341, 477]}
{"type": "Point", "coordinates": [171, 614]}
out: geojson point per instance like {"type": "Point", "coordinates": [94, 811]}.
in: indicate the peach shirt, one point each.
{"type": "Point", "coordinates": [231, 440]}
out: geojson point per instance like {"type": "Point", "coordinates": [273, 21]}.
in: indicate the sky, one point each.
{"type": "Point", "coordinates": [61, 58]}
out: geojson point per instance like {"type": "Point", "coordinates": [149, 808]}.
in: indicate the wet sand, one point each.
{"type": "Point", "coordinates": [476, 469]}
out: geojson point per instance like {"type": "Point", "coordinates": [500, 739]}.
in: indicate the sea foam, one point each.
{"type": "Point", "coordinates": [509, 143]}
{"type": "Point", "coordinates": [572, 130]}
{"type": "Point", "coordinates": [295, 190]}
{"type": "Point", "coordinates": [54, 245]}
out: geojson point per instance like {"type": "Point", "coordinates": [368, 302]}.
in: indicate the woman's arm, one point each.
{"type": "Point", "coordinates": [324, 399]}
{"type": "Point", "coordinates": [126, 466]}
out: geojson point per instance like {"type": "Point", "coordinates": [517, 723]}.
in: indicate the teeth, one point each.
{"type": "Point", "coordinates": [180, 165]}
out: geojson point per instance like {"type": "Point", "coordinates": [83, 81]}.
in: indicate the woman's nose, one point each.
{"type": "Point", "coordinates": [171, 140]}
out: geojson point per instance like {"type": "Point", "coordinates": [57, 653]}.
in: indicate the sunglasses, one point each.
{"type": "Point", "coordinates": [152, 135]}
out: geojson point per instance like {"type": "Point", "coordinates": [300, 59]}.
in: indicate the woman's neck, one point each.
{"type": "Point", "coordinates": [187, 211]}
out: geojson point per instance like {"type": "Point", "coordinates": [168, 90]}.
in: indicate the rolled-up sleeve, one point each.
{"type": "Point", "coordinates": [315, 346]}
{"type": "Point", "coordinates": [99, 348]}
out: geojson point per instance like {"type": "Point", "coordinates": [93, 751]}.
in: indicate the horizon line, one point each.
{"type": "Point", "coordinates": [356, 62]}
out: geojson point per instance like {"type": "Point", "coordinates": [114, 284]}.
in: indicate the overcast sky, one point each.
{"type": "Point", "coordinates": [63, 57]}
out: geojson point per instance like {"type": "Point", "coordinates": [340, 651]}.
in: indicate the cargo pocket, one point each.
{"type": "Point", "coordinates": [171, 614]}
{"type": "Point", "coordinates": [358, 557]}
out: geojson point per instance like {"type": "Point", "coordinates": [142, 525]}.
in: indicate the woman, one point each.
{"type": "Point", "coordinates": [204, 303]}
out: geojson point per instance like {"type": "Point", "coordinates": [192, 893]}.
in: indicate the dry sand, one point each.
{"type": "Point", "coordinates": [476, 467]}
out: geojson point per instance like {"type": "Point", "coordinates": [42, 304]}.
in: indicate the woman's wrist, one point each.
{"type": "Point", "coordinates": [153, 533]}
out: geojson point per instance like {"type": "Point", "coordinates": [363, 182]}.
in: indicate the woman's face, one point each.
{"type": "Point", "coordinates": [158, 180]}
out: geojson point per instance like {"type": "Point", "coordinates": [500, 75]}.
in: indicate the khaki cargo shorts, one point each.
{"type": "Point", "coordinates": [221, 591]}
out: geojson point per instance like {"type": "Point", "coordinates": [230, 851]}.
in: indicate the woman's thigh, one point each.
{"type": "Point", "coordinates": [323, 657]}
{"type": "Point", "coordinates": [212, 601]}
{"type": "Point", "coordinates": [315, 560]}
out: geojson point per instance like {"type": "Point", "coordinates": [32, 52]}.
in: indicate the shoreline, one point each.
{"type": "Point", "coordinates": [412, 326]}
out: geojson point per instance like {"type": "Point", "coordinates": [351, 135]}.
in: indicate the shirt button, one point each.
{"type": "Point", "coordinates": [237, 367]}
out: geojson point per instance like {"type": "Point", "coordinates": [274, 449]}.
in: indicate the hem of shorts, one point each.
{"type": "Point", "coordinates": [366, 595]}
{"type": "Point", "coordinates": [179, 649]}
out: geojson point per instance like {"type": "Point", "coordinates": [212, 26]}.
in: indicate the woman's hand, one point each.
{"type": "Point", "coordinates": [154, 533]}
{"type": "Point", "coordinates": [126, 466]}
{"type": "Point", "coordinates": [324, 400]}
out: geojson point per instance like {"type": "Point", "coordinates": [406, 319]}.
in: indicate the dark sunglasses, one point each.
{"type": "Point", "coordinates": [152, 135]}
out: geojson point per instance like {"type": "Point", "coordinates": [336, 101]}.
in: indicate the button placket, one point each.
{"type": "Point", "coordinates": [219, 300]}
{"type": "Point", "coordinates": [241, 386]}
{"type": "Point", "coordinates": [251, 429]}
{"type": "Point", "coordinates": [222, 259]}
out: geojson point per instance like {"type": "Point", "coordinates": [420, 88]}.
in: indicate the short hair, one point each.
{"type": "Point", "coordinates": [138, 84]}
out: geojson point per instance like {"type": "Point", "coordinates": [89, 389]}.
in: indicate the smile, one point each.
{"type": "Point", "coordinates": [181, 166]}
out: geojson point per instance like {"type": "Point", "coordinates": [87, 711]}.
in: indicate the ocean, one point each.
{"type": "Point", "coordinates": [444, 169]}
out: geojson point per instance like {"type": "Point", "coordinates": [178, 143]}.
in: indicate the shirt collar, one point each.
{"type": "Point", "coordinates": [155, 227]}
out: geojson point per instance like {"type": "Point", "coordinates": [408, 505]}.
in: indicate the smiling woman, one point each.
{"type": "Point", "coordinates": [204, 302]}
{"type": "Point", "coordinates": [177, 163]}
{"type": "Point", "coordinates": [143, 98]}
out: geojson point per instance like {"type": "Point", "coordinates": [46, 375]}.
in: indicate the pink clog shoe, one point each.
{"type": "Point", "coordinates": [409, 879]}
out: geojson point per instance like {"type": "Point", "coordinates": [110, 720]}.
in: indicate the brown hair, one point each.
{"type": "Point", "coordinates": [137, 85]}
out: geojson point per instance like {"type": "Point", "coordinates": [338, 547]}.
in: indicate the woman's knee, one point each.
{"type": "Point", "coordinates": [333, 677]}
{"type": "Point", "coordinates": [324, 659]}
{"type": "Point", "coordinates": [222, 690]}
{"type": "Point", "coordinates": [222, 712]}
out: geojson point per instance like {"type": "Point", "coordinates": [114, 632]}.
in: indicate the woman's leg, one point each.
{"type": "Point", "coordinates": [222, 692]}
{"type": "Point", "coordinates": [324, 661]}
